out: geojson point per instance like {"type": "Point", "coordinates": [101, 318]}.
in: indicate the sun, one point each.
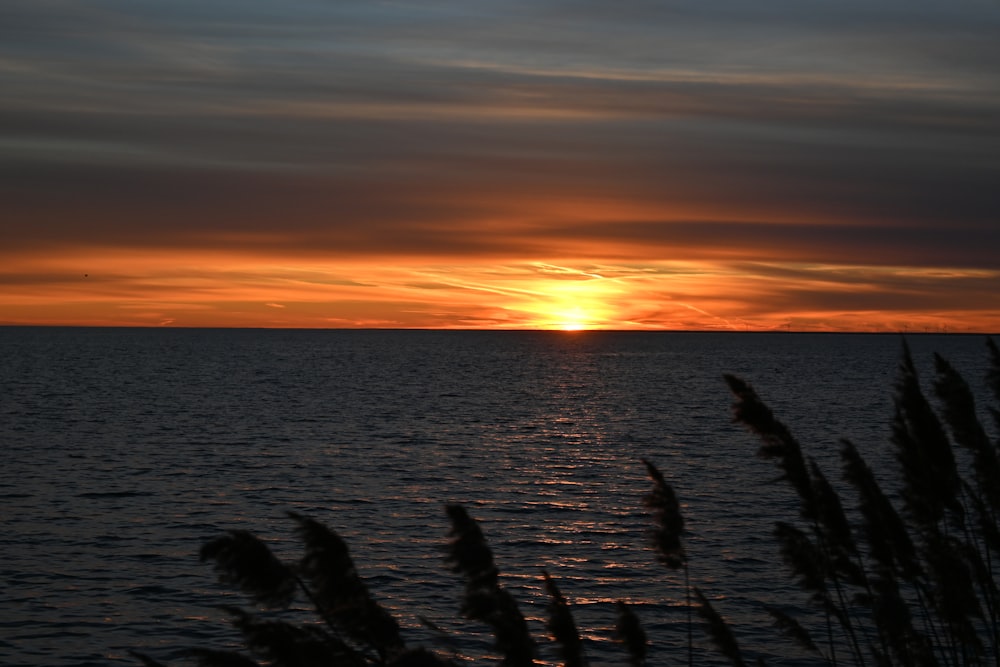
{"type": "Point", "coordinates": [573, 319]}
{"type": "Point", "coordinates": [578, 303]}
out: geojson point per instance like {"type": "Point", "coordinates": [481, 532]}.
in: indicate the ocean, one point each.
{"type": "Point", "coordinates": [124, 450]}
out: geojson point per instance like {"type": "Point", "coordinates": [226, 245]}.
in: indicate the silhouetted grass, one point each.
{"type": "Point", "coordinates": [908, 585]}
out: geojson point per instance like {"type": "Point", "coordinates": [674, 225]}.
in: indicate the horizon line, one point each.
{"type": "Point", "coordinates": [574, 332]}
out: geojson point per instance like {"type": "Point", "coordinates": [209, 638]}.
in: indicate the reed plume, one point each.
{"type": "Point", "coordinates": [893, 559]}
{"type": "Point", "coordinates": [777, 441]}
{"type": "Point", "coordinates": [357, 632]}
{"type": "Point", "coordinates": [790, 627]}
{"type": "Point", "coordinates": [668, 523]}
{"type": "Point", "coordinates": [485, 600]}
{"type": "Point", "coordinates": [718, 630]}
{"type": "Point", "coordinates": [929, 472]}
{"type": "Point", "coordinates": [562, 625]}
{"type": "Point", "coordinates": [982, 496]}
{"type": "Point", "coordinates": [888, 539]}
{"type": "Point", "coordinates": [340, 594]}
{"type": "Point", "coordinates": [292, 645]}
{"type": "Point", "coordinates": [805, 560]}
{"type": "Point", "coordinates": [903, 644]}
{"type": "Point", "coordinates": [240, 558]}
{"type": "Point", "coordinates": [668, 527]}
{"type": "Point", "coordinates": [958, 410]}
{"type": "Point", "coordinates": [834, 529]}
{"type": "Point", "coordinates": [628, 630]}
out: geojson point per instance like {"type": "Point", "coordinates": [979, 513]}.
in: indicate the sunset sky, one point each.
{"type": "Point", "coordinates": [671, 164]}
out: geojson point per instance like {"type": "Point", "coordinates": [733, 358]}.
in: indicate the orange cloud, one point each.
{"type": "Point", "coordinates": [823, 171]}
{"type": "Point", "coordinates": [216, 289]}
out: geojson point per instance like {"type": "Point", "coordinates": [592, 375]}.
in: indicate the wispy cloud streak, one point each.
{"type": "Point", "coordinates": [834, 163]}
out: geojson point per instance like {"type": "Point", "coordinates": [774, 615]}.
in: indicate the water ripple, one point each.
{"type": "Point", "coordinates": [126, 450]}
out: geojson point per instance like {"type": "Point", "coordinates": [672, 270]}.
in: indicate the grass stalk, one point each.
{"type": "Point", "coordinates": [908, 587]}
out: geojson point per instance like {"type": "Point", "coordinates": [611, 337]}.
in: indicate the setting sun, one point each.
{"type": "Point", "coordinates": [574, 320]}
{"type": "Point", "coordinates": [571, 299]}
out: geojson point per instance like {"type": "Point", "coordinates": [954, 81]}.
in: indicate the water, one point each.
{"type": "Point", "coordinates": [125, 450]}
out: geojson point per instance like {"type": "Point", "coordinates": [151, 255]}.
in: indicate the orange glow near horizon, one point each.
{"type": "Point", "coordinates": [213, 290]}
{"type": "Point", "coordinates": [472, 177]}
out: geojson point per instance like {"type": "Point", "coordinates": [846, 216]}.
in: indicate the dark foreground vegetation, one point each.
{"type": "Point", "coordinates": [904, 577]}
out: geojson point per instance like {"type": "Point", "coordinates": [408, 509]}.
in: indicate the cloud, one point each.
{"type": "Point", "coordinates": [571, 137]}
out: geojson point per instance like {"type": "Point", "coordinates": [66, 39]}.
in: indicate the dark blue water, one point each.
{"type": "Point", "coordinates": [124, 450]}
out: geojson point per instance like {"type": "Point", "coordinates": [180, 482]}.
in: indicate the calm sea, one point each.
{"type": "Point", "coordinates": [125, 449]}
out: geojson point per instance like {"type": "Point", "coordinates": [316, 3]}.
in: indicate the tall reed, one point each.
{"type": "Point", "coordinates": [905, 576]}
{"type": "Point", "coordinates": [913, 585]}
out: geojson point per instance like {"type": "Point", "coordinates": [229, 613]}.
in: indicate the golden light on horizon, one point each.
{"type": "Point", "coordinates": [96, 288]}
{"type": "Point", "coordinates": [500, 182]}
{"type": "Point", "coordinates": [573, 320]}
{"type": "Point", "coordinates": [570, 299]}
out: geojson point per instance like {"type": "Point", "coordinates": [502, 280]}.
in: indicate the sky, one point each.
{"type": "Point", "coordinates": [674, 164]}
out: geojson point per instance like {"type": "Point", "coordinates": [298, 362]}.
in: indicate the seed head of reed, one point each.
{"type": "Point", "coordinates": [777, 441]}
{"type": "Point", "coordinates": [468, 552]}
{"type": "Point", "coordinates": [835, 528]}
{"type": "Point", "coordinates": [930, 476]}
{"type": "Point", "coordinates": [718, 630]}
{"type": "Point", "coordinates": [953, 589]}
{"type": "Point", "coordinates": [804, 558]}
{"type": "Point", "coordinates": [283, 643]}
{"type": "Point", "coordinates": [958, 411]}
{"type": "Point", "coordinates": [628, 630]}
{"type": "Point", "coordinates": [892, 617]}
{"type": "Point", "coordinates": [668, 521]}
{"type": "Point", "coordinates": [562, 625]}
{"type": "Point", "coordinates": [788, 626]}
{"type": "Point", "coordinates": [889, 541]}
{"type": "Point", "coordinates": [340, 593]}
{"type": "Point", "coordinates": [240, 558]}
{"type": "Point", "coordinates": [485, 600]}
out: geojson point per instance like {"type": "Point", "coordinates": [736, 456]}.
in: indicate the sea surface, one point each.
{"type": "Point", "coordinates": [124, 450]}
